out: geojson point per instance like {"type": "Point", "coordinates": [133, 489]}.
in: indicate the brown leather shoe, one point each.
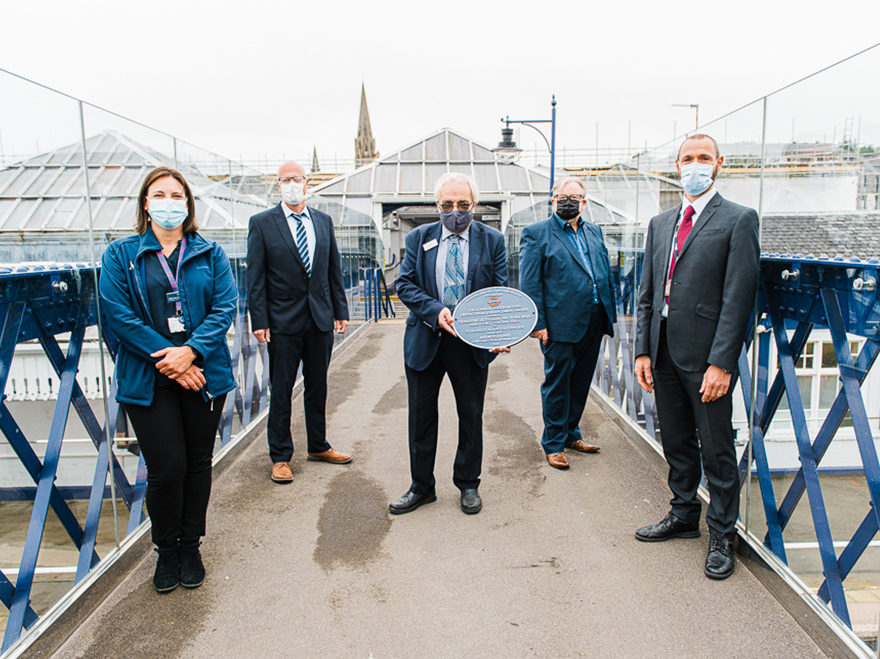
{"type": "Point", "coordinates": [332, 455]}
{"type": "Point", "coordinates": [582, 446]}
{"type": "Point", "coordinates": [281, 472]}
{"type": "Point", "coordinates": [557, 460]}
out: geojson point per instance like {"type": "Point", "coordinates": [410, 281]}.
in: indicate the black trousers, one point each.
{"type": "Point", "coordinates": [454, 358]}
{"type": "Point", "coordinates": [568, 374]}
{"type": "Point", "coordinates": [312, 348]}
{"type": "Point", "coordinates": [691, 429]}
{"type": "Point", "coordinates": [176, 435]}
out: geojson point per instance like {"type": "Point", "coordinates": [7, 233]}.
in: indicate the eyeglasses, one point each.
{"type": "Point", "coordinates": [460, 205]}
{"type": "Point", "coordinates": [291, 179]}
{"type": "Point", "coordinates": [571, 197]}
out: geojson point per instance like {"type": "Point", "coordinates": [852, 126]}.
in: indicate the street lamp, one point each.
{"type": "Point", "coordinates": [507, 147]}
{"type": "Point", "coordinates": [695, 107]}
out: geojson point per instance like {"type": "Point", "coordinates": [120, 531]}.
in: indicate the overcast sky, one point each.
{"type": "Point", "coordinates": [256, 79]}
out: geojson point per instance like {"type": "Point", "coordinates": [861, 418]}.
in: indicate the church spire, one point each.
{"type": "Point", "coordinates": [316, 167]}
{"type": "Point", "coordinates": [364, 144]}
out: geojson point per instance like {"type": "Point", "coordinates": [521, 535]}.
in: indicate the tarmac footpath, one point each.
{"type": "Point", "coordinates": [549, 568]}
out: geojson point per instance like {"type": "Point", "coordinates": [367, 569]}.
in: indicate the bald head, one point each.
{"type": "Point", "coordinates": [289, 169]}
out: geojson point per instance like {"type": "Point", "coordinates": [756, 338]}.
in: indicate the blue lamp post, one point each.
{"type": "Point", "coordinates": [507, 145]}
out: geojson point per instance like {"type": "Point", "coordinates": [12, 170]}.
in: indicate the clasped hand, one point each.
{"type": "Point", "coordinates": [176, 363]}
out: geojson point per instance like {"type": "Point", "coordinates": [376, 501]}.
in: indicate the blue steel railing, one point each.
{"type": "Point", "coordinates": [41, 302]}
{"type": "Point", "coordinates": [377, 299]}
{"type": "Point", "coordinates": [796, 295]}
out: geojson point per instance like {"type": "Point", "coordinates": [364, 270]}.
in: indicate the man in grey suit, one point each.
{"type": "Point", "coordinates": [699, 279]}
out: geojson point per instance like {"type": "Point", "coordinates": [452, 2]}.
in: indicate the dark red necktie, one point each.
{"type": "Point", "coordinates": [683, 230]}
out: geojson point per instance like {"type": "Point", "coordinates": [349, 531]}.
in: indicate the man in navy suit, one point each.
{"type": "Point", "coordinates": [564, 268]}
{"type": "Point", "coordinates": [444, 261]}
{"type": "Point", "coordinates": [296, 299]}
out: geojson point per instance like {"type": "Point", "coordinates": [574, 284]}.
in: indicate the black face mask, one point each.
{"type": "Point", "coordinates": [456, 221]}
{"type": "Point", "coordinates": [568, 209]}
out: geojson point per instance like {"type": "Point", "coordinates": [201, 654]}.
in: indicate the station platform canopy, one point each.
{"type": "Point", "coordinates": [407, 177]}
{"type": "Point", "coordinates": [46, 193]}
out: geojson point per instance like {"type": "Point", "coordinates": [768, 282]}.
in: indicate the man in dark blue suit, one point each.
{"type": "Point", "coordinates": [564, 268]}
{"type": "Point", "coordinates": [444, 261]}
{"type": "Point", "coordinates": [296, 299]}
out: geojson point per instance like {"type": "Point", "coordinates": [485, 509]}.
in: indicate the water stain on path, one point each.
{"type": "Point", "coordinates": [498, 373]}
{"type": "Point", "coordinates": [517, 449]}
{"type": "Point", "coordinates": [352, 523]}
{"type": "Point", "coordinates": [393, 399]}
{"type": "Point", "coordinates": [344, 378]}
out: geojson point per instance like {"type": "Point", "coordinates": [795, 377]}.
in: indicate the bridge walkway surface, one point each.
{"type": "Point", "coordinates": [549, 568]}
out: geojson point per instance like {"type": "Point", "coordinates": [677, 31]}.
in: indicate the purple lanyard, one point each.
{"type": "Point", "coordinates": [172, 279]}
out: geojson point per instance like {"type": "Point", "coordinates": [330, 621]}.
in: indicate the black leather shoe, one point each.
{"type": "Point", "coordinates": [192, 570]}
{"type": "Point", "coordinates": [719, 560]}
{"type": "Point", "coordinates": [410, 501]}
{"type": "Point", "coordinates": [667, 528]}
{"type": "Point", "coordinates": [471, 503]}
{"type": "Point", "coordinates": [167, 574]}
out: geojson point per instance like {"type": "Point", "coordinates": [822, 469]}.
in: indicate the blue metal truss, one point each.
{"type": "Point", "coordinates": [38, 304]}
{"type": "Point", "coordinates": [796, 296]}
{"type": "Point", "coordinates": [377, 299]}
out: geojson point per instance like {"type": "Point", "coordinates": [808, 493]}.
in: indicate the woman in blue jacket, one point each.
{"type": "Point", "coordinates": [169, 296]}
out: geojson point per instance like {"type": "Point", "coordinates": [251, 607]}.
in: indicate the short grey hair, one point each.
{"type": "Point", "coordinates": [569, 179]}
{"type": "Point", "coordinates": [456, 177]}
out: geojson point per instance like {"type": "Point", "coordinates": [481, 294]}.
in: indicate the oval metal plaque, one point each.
{"type": "Point", "coordinates": [495, 317]}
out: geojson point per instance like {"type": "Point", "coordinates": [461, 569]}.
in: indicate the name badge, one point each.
{"type": "Point", "coordinates": [175, 324]}
{"type": "Point", "coordinates": [668, 288]}
{"type": "Point", "coordinates": [431, 244]}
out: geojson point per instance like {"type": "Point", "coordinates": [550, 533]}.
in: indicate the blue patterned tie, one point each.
{"type": "Point", "coordinates": [453, 285]}
{"type": "Point", "coordinates": [302, 244]}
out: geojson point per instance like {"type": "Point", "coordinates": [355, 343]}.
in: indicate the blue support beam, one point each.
{"type": "Point", "coordinates": [819, 513]}
{"type": "Point", "coordinates": [24, 582]}
{"type": "Point", "coordinates": [797, 295]}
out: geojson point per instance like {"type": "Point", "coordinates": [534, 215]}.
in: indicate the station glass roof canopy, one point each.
{"type": "Point", "coordinates": [46, 193]}
{"type": "Point", "coordinates": [407, 176]}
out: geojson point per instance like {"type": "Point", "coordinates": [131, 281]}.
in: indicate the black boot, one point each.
{"type": "Point", "coordinates": [192, 570]}
{"type": "Point", "coordinates": [167, 574]}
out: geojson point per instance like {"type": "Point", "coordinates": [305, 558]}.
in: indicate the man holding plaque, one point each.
{"type": "Point", "coordinates": [564, 268]}
{"type": "Point", "coordinates": [445, 261]}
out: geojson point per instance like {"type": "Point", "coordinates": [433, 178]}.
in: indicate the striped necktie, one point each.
{"type": "Point", "coordinates": [302, 244]}
{"type": "Point", "coordinates": [453, 281]}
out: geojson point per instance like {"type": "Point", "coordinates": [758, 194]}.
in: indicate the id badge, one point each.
{"type": "Point", "coordinates": [668, 288]}
{"type": "Point", "coordinates": [175, 324]}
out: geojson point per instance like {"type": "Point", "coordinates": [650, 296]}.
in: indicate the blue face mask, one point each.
{"type": "Point", "coordinates": [168, 213]}
{"type": "Point", "coordinates": [456, 221]}
{"type": "Point", "coordinates": [696, 177]}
